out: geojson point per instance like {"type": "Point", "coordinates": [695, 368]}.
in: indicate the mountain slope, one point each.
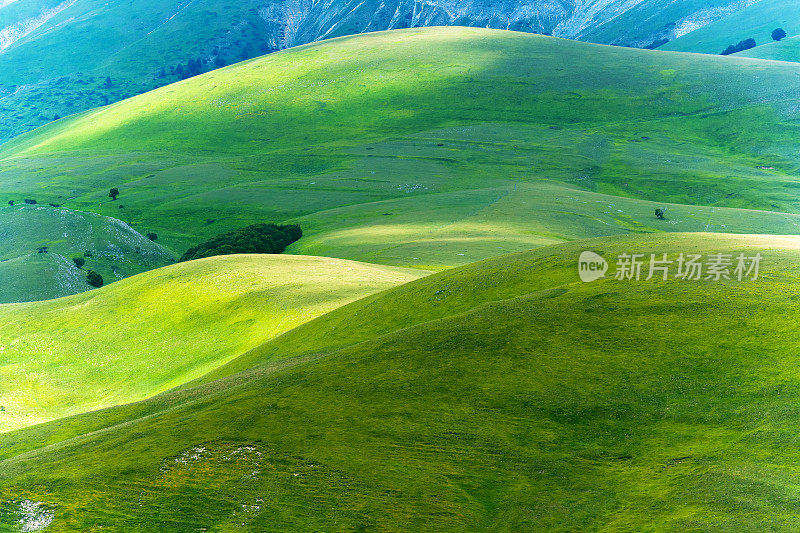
{"type": "Point", "coordinates": [59, 57]}
{"type": "Point", "coordinates": [38, 245]}
{"type": "Point", "coordinates": [383, 125]}
{"type": "Point", "coordinates": [502, 395]}
{"type": "Point", "coordinates": [152, 332]}
{"type": "Point", "coordinates": [756, 21]}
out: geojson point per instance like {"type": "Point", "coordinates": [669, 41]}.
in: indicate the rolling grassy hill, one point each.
{"type": "Point", "coordinates": [366, 139]}
{"type": "Point", "coordinates": [56, 56]}
{"type": "Point", "coordinates": [755, 21]}
{"type": "Point", "coordinates": [155, 331]}
{"type": "Point", "coordinates": [108, 246]}
{"type": "Point", "coordinates": [785, 50]}
{"type": "Point", "coordinates": [503, 395]}
{"type": "Point", "coordinates": [293, 392]}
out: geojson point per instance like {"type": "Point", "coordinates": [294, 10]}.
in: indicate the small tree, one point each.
{"type": "Point", "coordinates": [94, 279]}
{"type": "Point", "coordinates": [152, 236]}
{"type": "Point", "coordinates": [11, 202]}
{"type": "Point", "coordinates": [660, 214]}
{"type": "Point", "coordinates": [778, 34]}
{"type": "Point", "coordinates": [79, 261]}
{"type": "Point", "coordinates": [113, 193]}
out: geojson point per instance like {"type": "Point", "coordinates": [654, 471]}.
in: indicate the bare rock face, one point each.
{"type": "Point", "coordinates": [295, 22]}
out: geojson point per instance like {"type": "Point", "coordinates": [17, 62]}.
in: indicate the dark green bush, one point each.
{"type": "Point", "coordinates": [79, 261]}
{"type": "Point", "coordinates": [255, 239]}
{"type": "Point", "coordinates": [778, 34]}
{"type": "Point", "coordinates": [94, 279]}
{"type": "Point", "coordinates": [747, 44]}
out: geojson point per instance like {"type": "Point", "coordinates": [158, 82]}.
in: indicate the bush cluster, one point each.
{"type": "Point", "coordinates": [747, 44]}
{"type": "Point", "coordinates": [94, 279]}
{"type": "Point", "coordinates": [255, 239]}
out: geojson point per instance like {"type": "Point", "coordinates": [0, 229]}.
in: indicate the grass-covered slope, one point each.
{"type": "Point", "coordinates": [38, 244]}
{"type": "Point", "coordinates": [505, 395]}
{"type": "Point", "coordinates": [651, 23]}
{"type": "Point", "coordinates": [56, 56]}
{"type": "Point", "coordinates": [755, 21]}
{"type": "Point", "coordinates": [155, 331]}
{"type": "Point", "coordinates": [410, 117]}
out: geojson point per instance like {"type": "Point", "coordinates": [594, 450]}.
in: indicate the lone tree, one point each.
{"type": "Point", "coordinates": [94, 279]}
{"type": "Point", "coordinates": [152, 236]}
{"type": "Point", "coordinates": [778, 34]}
{"type": "Point", "coordinates": [113, 193]}
{"type": "Point", "coordinates": [660, 214]}
{"type": "Point", "coordinates": [79, 261]}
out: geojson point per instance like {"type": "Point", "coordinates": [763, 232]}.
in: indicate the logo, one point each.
{"type": "Point", "coordinates": [591, 267]}
{"type": "Point", "coordinates": [689, 266]}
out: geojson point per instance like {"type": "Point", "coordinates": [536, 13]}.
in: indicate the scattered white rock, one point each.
{"type": "Point", "coordinates": [34, 516]}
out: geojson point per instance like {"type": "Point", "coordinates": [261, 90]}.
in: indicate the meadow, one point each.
{"type": "Point", "coordinates": [513, 397]}
{"type": "Point", "coordinates": [377, 126]}
{"type": "Point", "coordinates": [457, 377]}
{"type": "Point", "coordinates": [152, 332]}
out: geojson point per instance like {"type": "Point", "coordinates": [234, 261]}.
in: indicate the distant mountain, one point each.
{"type": "Point", "coordinates": [60, 57]}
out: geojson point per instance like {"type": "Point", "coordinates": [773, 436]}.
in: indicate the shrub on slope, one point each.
{"type": "Point", "coordinates": [255, 239]}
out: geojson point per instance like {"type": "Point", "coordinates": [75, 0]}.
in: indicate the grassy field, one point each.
{"type": "Point", "coordinates": [402, 119]}
{"type": "Point", "coordinates": [157, 330]}
{"type": "Point", "coordinates": [290, 392]}
{"type": "Point", "coordinates": [504, 395]}
{"type": "Point", "coordinates": [107, 245]}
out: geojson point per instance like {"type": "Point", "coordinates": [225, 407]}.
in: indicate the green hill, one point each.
{"type": "Point", "coordinates": [372, 136]}
{"type": "Point", "coordinates": [785, 50]}
{"type": "Point", "coordinates": [56, 56]}
{"type": "Point", "coordinates": [504, 395]}
{"type": "Point", "coordinates": [755, 21]}
{"type": "Point", "coordinates": [38, 244]}
{"type": "Point", "coordinates": [60, 57]}
{"type": "Point", "coordinates": [157, 330]}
